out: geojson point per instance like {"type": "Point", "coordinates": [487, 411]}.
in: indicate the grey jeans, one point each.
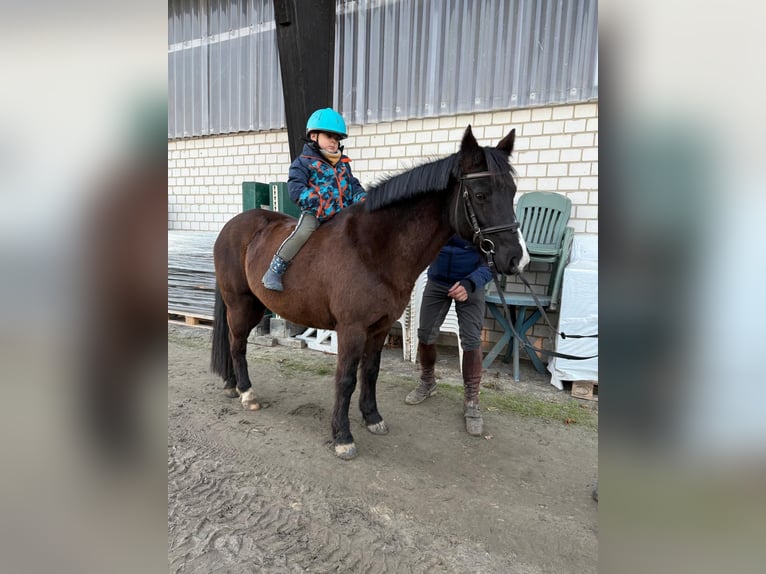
{"type": "Point", "coordinates": [434, 308]}
{"type": "Point", "coordinates": [307, 224]}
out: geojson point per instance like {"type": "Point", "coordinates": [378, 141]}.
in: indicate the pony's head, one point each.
{"type": "Point", "coordinates": [482, 210]}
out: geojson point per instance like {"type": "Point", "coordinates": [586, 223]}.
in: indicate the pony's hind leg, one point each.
{"type": "Point", "coordinates": [370, 368]}
{"type": "Point", "coordinates": [243, 315]}
{"type": "Point", "coordinates": [220, 356]}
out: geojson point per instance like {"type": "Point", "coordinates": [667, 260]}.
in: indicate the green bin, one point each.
{"type": "Point", "coordinates": [255, 195]}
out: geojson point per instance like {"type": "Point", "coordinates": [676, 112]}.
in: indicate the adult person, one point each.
{"type": "Point", "coordinates": [458, 274]}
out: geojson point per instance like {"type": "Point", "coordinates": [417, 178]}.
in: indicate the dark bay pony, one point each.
{"type": "Point", "coordinates": [356, 272]}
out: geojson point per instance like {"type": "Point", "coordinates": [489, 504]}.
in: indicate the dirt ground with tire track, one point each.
{"type": "Point", "coordinates": [262, 492]}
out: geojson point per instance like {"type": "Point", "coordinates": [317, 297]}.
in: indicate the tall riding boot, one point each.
{"type": "Point", "coordinates": [474, 424]}
{"type": "Point", "coordinates": [272, 279]}
{"type": "Point", "coordinates": [427, 386]}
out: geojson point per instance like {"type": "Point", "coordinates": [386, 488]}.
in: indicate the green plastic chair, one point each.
{"type": "Point", "coordinates": [543, 216]}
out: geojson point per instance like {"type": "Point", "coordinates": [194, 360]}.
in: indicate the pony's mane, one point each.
{"type": "Point", "coordinates": [498, 162]}
{"type": "Point", "coordinates": [432, 176]}
{"type": "Point", "coordinates": [428, 177]}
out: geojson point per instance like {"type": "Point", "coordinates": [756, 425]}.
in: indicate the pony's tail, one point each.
{"type": "Point", "coordinates": [220, 357]}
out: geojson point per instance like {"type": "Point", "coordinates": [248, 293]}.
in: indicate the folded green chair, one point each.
{"type": "Point", "coordinates": [543, 217]}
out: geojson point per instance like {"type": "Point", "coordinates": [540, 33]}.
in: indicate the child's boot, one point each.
{"type": "Point", "coordinates": [272, 279]}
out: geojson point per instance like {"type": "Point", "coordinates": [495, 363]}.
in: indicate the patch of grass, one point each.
{"type": "Point", "coordinates": [189, 342]}
{"type": "Point", "coordinates": [320, 369]}
{"type": "Point", "coordinates": [569, 411]}
{"type": "Point", "coordinates": [398, 380]}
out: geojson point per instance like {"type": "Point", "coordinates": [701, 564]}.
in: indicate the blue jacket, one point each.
{"type": "Point", "coordinates": [459, 261]}
{"type": "Point", "coordinates": [319, 188]}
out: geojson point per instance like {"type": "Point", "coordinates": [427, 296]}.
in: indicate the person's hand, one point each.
{"type": "Point", "coordinates": [458, 292]}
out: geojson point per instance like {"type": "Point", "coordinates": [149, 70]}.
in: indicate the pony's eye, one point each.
{"type": "Point", "coordinates": [481, 196]}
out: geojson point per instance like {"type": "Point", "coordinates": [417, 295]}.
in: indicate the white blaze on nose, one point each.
{"type": "Point", "coordinates": [524, 253]}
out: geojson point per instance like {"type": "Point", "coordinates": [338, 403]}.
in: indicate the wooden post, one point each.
{"type": "Point", "coordinates": [306, 43]}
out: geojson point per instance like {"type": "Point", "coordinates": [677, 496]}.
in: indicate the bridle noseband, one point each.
{"type": "Point", "coordinates": [479, 240]}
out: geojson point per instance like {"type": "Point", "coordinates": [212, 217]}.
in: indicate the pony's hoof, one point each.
{"type": "Point", "coordinates": [378, 428]}
{"type": "Point", "coordinates": [249, 402]}
{"type": "Point", "coordinates": [231, 393]}
{"type": "Point", "coordinates": [345, 451]}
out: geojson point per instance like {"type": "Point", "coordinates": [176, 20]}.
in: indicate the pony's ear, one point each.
{"type": "Point", "coordinates": [469, 142]}
{"type": "Point", "coordinates": [471, 154]}
{"type": "Point", "coordinates": [506, 144]}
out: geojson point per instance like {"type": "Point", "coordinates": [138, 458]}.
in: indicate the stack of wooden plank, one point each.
{"type": "Point", "coordinates": [191, 275]}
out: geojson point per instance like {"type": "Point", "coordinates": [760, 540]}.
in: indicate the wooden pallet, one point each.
{"type": "Point", "coordinates": [587, 390]}
{"type": "Point", "coordinates": [191, 320]}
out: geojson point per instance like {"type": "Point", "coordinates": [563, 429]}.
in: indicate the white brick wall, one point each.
{"type": "Point", "coordinates": [556, 150]}
{"type": "Point", "coordinates": [205, 175]}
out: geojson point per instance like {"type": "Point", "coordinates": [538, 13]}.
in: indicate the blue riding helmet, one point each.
{"type": "Point", "coordinates": [326, 120]}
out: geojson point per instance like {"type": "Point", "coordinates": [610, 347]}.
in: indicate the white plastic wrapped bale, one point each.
{"type": "Point", "coordinates": [578, 314]}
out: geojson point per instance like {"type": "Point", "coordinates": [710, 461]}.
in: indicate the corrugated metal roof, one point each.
{"type": "Point", "coordinates": [395, 59]}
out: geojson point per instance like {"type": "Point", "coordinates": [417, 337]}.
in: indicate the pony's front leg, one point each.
{"type": "Point", "coordinates": [369, 371]}
{"type": "Point", "coordinates": [350, 346]}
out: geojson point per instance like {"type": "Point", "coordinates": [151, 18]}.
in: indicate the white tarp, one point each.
{"type": "Point", "coordinates": [578, 314]}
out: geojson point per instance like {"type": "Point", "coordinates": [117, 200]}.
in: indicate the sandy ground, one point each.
{"type": "Point", "coordinates": [262, 492]}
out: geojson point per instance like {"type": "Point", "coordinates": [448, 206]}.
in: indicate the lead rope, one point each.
{"type": "Point", "coordinates": [522, 341]}
{"type": "Point", "coordinates": [545, 317]}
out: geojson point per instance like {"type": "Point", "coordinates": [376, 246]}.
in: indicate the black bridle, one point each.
{"type": "Point", "coordinates": [479, 240]}
{"type": "Point", "coordinates": [488, 248]}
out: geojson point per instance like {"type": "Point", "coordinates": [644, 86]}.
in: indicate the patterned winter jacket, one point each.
{"type": "Point", "coordinates": [319, 188]}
